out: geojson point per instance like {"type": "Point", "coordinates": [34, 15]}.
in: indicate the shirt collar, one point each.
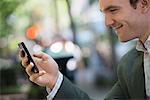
{"type": "Point", "coordinates": [147, 43]}
{"type": "Point", "coordinates": [144, 47]}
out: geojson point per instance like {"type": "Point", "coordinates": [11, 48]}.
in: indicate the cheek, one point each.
{"type": "Point", "coordinates": [128, 23]}
{"type": "Point", "coordinates": [136, 27]}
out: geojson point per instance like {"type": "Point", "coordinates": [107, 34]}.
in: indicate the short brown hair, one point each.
{"type": "Point", "coordinates": [133, 3]}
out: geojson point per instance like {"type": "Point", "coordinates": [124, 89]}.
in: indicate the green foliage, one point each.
{"type": "Point", "coordinates": [37, 92]}
{"type": "Point", "coordinates": [10, 90]}
{"type": "Point", "coordinates": [8, 76]}
{"type": "Point", "coordinates": [7, 7]}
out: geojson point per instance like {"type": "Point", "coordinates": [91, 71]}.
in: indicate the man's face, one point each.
{"type": "Point", "coordinates": [123, 18]}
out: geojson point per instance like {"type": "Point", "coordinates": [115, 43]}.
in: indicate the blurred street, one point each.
{"type": "Point", "coordinates": [72, 32]}
{"type": "Point", "coordinates": [95, 92]}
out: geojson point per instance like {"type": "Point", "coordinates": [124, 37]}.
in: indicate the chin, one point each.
{"type": "Point", "coordinates": [124, 40]}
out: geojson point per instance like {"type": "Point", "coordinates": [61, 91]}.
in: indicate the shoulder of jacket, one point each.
{"type": "Point", "coordinates": [127, 63]}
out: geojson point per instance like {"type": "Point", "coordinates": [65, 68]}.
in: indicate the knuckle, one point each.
{"type": "Point", "coordinates": [31, 79]}
{"type": "Point", "coordinates": [26, 60]}
{"type": "Point", "coordinates": [26, 70]}
{"type": "Point", "coordinates": [23, 64]}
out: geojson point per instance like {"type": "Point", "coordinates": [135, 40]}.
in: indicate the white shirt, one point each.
{"type": "Point", "coordinates": [146, 51]}
{"type": "Point", "coordinates": [52, 93]}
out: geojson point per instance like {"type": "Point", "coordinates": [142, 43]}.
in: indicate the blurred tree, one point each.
{"type": "Point", "coordinates": [56, 16]}
{"type": "Point", "coordinates": [112, 41]}
{"type": "Point", "coordinates": [72, 24]}
{"type": "Point", "coordinates": [7, 7]}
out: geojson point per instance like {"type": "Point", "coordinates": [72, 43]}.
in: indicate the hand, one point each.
{"type": "Point", "coordinates": [48, 69]}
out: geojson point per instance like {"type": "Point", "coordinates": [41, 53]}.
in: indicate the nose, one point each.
{"type": "Point", "coordinates": [109, 21]}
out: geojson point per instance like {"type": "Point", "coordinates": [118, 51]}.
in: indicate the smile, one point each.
{"type": "Point", "coordinates": [120, 26]}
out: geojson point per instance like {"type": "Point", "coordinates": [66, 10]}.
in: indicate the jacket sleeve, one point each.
{"type": "Point", "coordinates": [115, 93]}
{"type": "Point", "coordinates": [69, 91]}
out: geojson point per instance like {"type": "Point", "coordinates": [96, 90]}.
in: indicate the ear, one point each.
{"type": "Point", "coordinates": [145, 5]}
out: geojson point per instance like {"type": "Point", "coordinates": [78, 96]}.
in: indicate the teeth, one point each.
{"type": "Point", "coordinates": [118, 27]}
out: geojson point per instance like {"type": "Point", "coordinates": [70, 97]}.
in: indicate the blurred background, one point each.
{"type": "Point", "coordinates": [73, 32]}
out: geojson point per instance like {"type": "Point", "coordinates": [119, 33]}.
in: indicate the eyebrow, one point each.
{"type": "Point", "coordinates": [108, 8]}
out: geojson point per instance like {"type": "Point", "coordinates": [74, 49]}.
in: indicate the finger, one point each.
{"type": "Point", "coordinates": [25, 61]}
{"type": "Point", "coordinates": [41, 55]}
{"type": "Point", "coordinates": [22, 53]}
{"type": "Point", "coordinates": [42, 72]}
{"type": "Point", "coordinates": [33, 77]}
{"type": "Point", "coordinates": [28, 69]}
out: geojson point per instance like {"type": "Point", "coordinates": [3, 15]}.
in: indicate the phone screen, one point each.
{"type": "Point", "coordinates": [23, 47]}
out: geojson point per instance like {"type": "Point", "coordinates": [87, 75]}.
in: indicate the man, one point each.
{"type": "Point", "coordinates": [130, 19]}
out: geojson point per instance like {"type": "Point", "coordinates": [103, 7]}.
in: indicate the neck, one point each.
{"type": "Point", "coordinates": [146, 29]}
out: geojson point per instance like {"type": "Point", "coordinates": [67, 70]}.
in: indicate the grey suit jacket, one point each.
{"type": "Point", "coordinates": [131, 82]}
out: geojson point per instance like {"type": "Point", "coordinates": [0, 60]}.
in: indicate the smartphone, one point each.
{"type": "Point", "coordinates": [24, 48]}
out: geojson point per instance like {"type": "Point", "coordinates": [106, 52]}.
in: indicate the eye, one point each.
{"type": "Point", "coordinates": [113, 10]}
